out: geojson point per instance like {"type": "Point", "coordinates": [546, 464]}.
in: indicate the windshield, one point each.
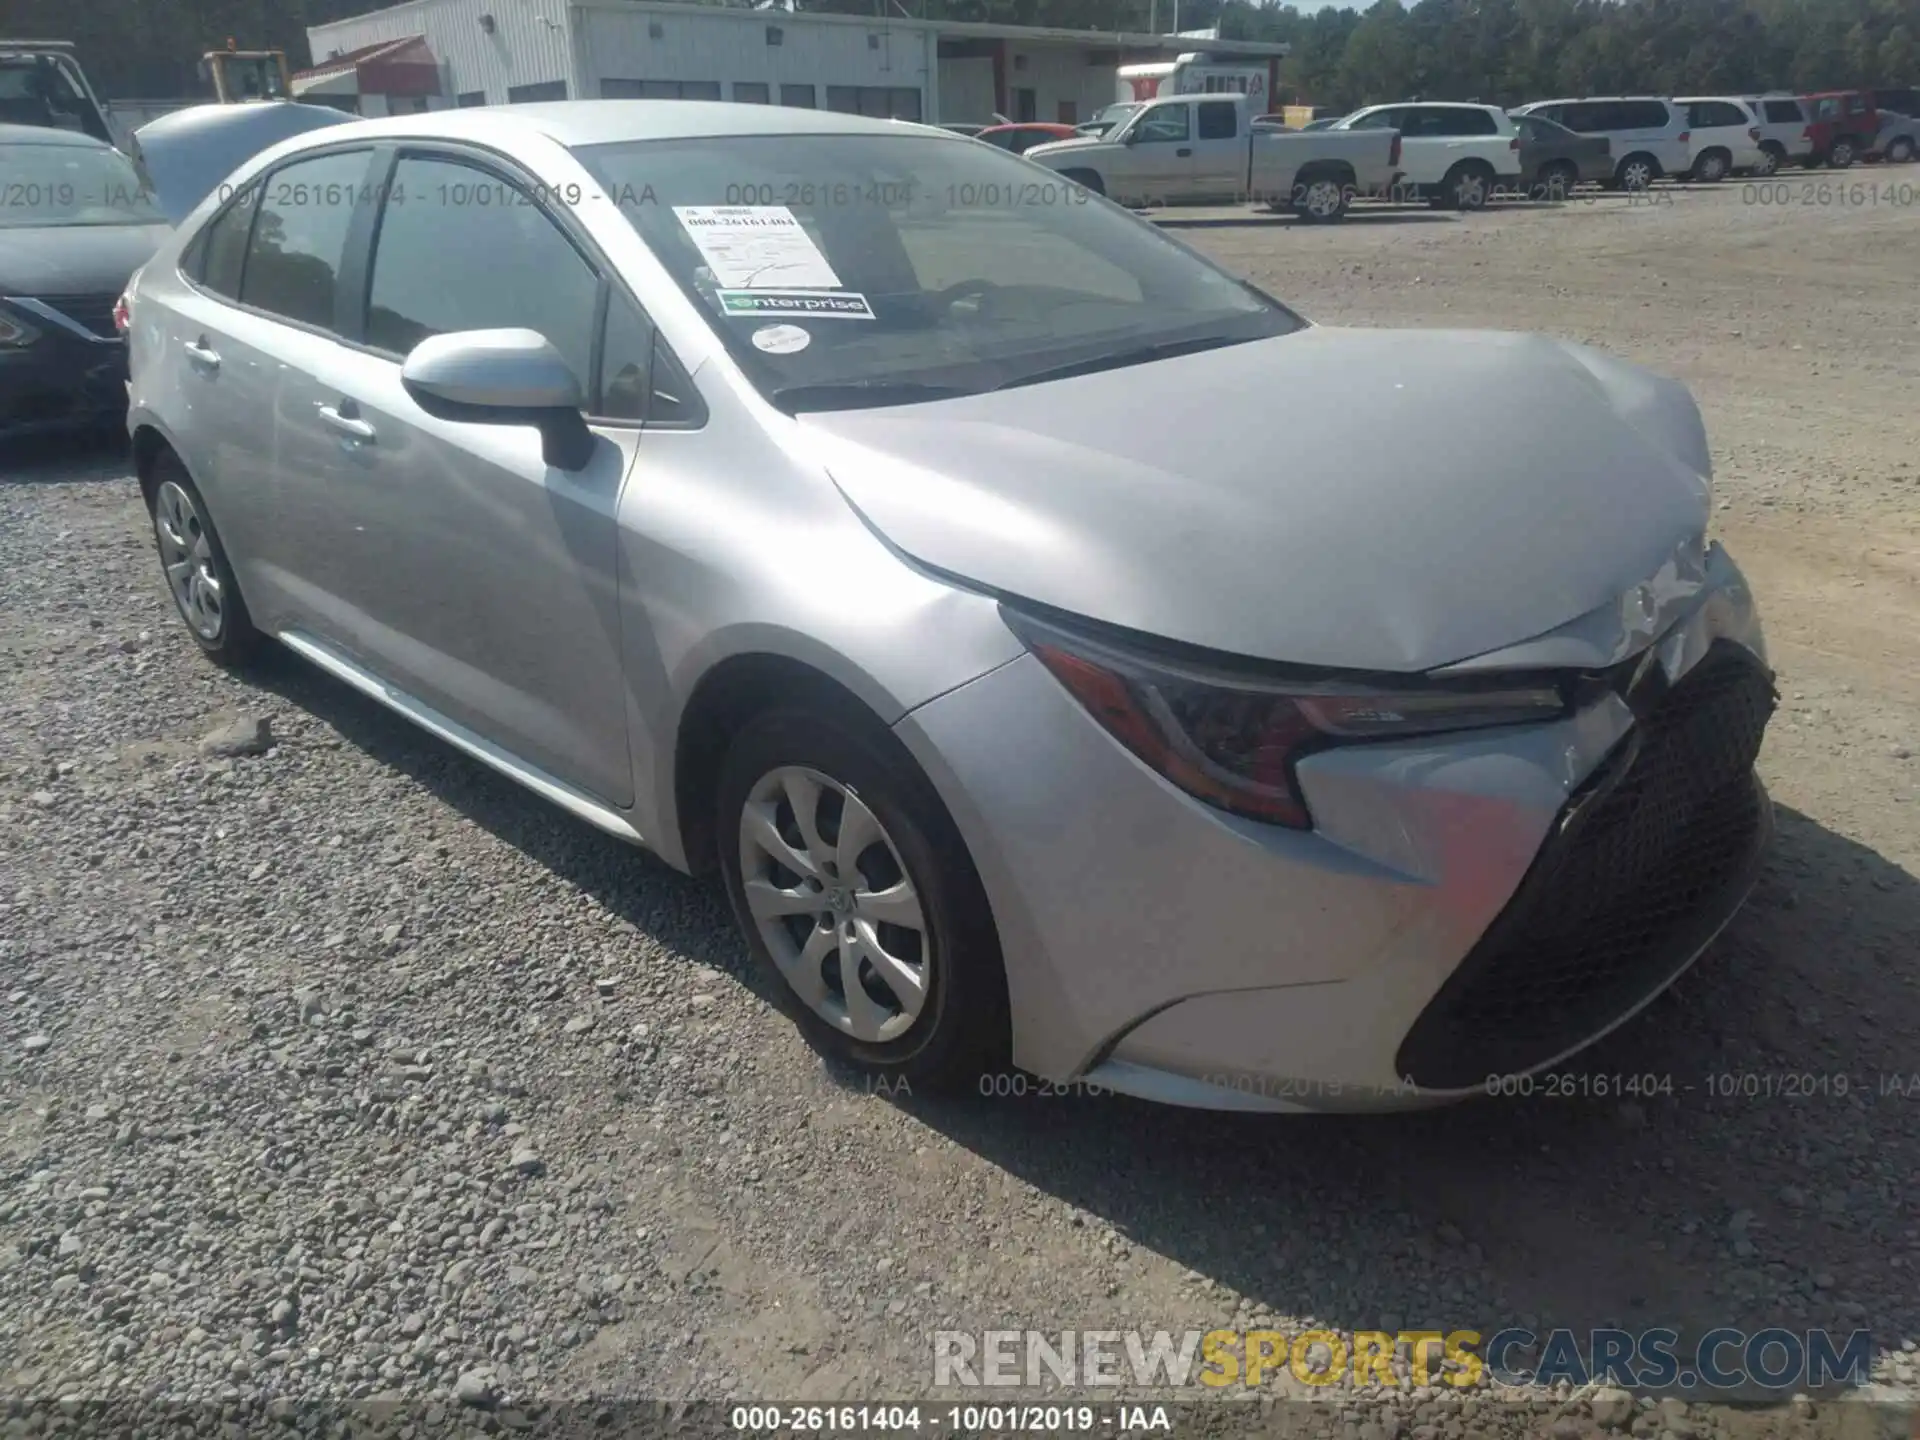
{"type": "Point", "coordinates": [48, 185]}
{"type": "Point", "coordinates": [844, 270]}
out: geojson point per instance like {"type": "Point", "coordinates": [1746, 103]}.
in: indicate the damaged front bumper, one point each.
{"type": "Point", "coordinates": [1467, 908]}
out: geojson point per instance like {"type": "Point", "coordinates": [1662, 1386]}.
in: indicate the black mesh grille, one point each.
{"type": "Point", "coordinates": [92, 312]}
{"type": "Point", "coordinates": [1646, 861]}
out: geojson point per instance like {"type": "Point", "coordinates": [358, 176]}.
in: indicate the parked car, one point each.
{"type": "Point", "coordinates": [1723, 137]}
{"type": "Point", "coordinates": [1901, 100]}
{"type": "Point", "coordinates": [1326, 122]}
{"type": "Point", "coordinates": [74, 226]}
{"type": "Point", "coordinates": [42, 84]}
{"type": "Point", "coordinates": [1316, 764]}
{"type": "Point", "coordinates": [1202, 149]}
{"type": "Point", "coordinates": [1553, 159]}
{"type": "Point", "coordinates": [1648, 135]}
{"type": "Point", "coordinates": [1023, 137]}
{"type": "Point", "coordinates": [184, 154]}
{"type": "Point", "coordinates": [1105, 119]}
{"type": "Point", "coordinates": [1841, 125]}
{"type": "Point", "coordinates": [1785, 138]}
{"type": "Point", "coordinates": [1454, 155]}
{"type": "Point", "coordinates": [1898, 138]}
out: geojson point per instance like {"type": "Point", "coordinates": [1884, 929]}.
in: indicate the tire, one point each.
{"type": "Point", "coordinates": [1322, 199]}
{"type": "Point", "coordinates": [1559, 178]}
{"type": "Point", "coordinates": [1900, 151]}
{"type": "Point", "coordinates": [1843, 153]}
{"type": "Point", "coordinates": [1636, 172]}
{"type": "Point", "coordinates": [955, 1028]}
{"type": "Point", "coordinates": [1090, 179]}
{"type": "Point", "coordinates": [1771, 156]}
{"type": "Point", "coordinates": [1466, 187]}
{"type": "Point", "coordinates": [194, 562]}
{"type": "Point", "coordinates": [1712, 167]}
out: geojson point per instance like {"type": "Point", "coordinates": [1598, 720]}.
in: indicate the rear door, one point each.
{"type": "Point", "coordinates": [463, 568]}
{"type": "Point", "coordinates": [257, 298]}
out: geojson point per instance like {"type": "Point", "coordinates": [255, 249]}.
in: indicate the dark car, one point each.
{"type": "Point", "coordinates": [1553, 159]}
{"type": "Point", "coordinates": [75, 223]}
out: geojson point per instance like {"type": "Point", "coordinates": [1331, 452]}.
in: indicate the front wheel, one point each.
{"type": "Point", "coordinates": [1635, 173]}
{"type": "Point", "coordinates": [859, 900]}
{"type": "Point", "coordinates": [1712, 167]}
{"type": "Point", "coordinates": [1086, 179]}
{"type": "Point", "coordinates": [1769, 162]}
{"type": "Point", "coordinates": [1842, 155]}
{"type": "Point", "coordinates": [1558, 179]}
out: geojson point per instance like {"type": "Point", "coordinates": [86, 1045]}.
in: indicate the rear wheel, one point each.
{"type": "Point", "coordinates": [1558, 179]}
{"type": "Point", "coordinates": [1900, 150]}
{"type": "Point", "coordinates": [1467, 186]}
{"type": "Point", "coordinates": [198, 573]}
{"type": "Point", "coordinates": [859, 900]}
{"type": "Point", "coordinates": [1771, 156]}
{"type": "Point", "coordinates": [1322, 199]}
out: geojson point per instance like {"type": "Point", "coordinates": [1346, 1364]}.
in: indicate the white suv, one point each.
{"type": "Point", "coordinates": [1724, 136]}
{"type": "Point", "coordinates": [1784, 136]}
{"type": "Point", "coordinates": [1456, 155]}
{"type": "Point", "coordinates": [1648, 136]}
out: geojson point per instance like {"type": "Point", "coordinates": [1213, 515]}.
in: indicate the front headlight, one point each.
{"type": "Point", "coordinates": [15, 333]}
{"type": "Point", "coordinates": [1233, 740]}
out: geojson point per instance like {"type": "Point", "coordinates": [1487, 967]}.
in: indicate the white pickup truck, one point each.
{"type": "Point", "coordinates": [1205, 150]}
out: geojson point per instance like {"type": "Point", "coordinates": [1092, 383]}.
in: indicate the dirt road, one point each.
{"type": "Point", "coordinates": [365, 1073]}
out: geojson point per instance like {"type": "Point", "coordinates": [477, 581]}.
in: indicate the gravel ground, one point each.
{"type": "Point", "coordinates": [334, 1067]}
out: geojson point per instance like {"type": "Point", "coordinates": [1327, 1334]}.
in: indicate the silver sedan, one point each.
{"type": "Point", "coordinates": [1068, 657]}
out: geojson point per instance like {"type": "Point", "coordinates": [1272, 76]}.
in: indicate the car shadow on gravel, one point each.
{"type": "Point", "coordinates": [1365, 216]}
{"type": "Point", "coordinates": [1755, 1171]}
{"type": "Point", "coordinates": [688, 915]}
{"type": "Point", "coordinates": [82, 455]}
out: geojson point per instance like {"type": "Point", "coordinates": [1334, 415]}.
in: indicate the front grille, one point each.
{"type": "Point", "coordinates": [1646, 861]}
{"type": "Point", "coordinates": [90, 312]}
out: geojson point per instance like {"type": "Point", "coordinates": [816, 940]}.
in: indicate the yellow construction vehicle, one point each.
{"type": "Point", "coordinates": [241, 75]}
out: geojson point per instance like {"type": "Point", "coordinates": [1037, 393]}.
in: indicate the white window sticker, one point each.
{"type": "Point", "coordinates": [757, 247]}
{"type": "Point", "coordinates": [781, 339]}
{"type": "Point", "coordinates": [812, 304]}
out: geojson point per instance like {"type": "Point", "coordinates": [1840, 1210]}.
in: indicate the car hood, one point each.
{"type": "Point", "coordinates": [74, 259]}
{"type": "Point", "coordinates": [1366, 499]}
{"type": "Point", "coordinates": [185, 154]}
{"type": "Point", "coordinates": [1077, 142]}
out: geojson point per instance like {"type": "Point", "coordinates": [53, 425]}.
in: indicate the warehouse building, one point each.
{"type": "Point", "coordinates": [428, 54]}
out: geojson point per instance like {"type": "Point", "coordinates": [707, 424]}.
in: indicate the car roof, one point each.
{"type": "Point", "coordinates": [600, 122]}
{"type": "Point", "coordinates": [1697, 99]}
{"type": "Point", "coordinates": [1589, 99]}
{"type": "Point", "coordinates": [1432, 104]}
{"type": "Point", "coordinates": [48, 135]}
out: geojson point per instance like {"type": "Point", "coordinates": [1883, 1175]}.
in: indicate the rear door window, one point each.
{"type": "Point", "coordinates": [221, 248]}
{"type": "Point", "coordinates": [293, 259]}
{"type": "Point", "coordinates": [1218, 120]}
{"type": "Point", "coordinates": [1643, 115]}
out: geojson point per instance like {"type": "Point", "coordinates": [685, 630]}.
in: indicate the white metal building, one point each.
{"type": "Point", "coordinates": [492, 52]}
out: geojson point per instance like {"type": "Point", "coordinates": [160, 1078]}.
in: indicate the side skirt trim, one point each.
{"type": "Point", "coordinates": [546, 786]}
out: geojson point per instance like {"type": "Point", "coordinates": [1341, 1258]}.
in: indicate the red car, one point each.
{"type": "Point", "coordinates": [1024, 136]}
{"type": "Point", "coordinates": [1842, 125]}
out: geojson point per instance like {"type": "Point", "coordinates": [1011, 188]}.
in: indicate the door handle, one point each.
{"type": "Point", "coordinates": [200, 354]}
{"type": "Point", "coordinates": [1184, 152]}
{"type": "Point", "coordinates": [345, 424]}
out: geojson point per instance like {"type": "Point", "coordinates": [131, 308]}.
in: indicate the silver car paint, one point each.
{"type": "Point", "coordinates": [1117, 897]}
{"type": "Point", "coordinates": [1240, 532]}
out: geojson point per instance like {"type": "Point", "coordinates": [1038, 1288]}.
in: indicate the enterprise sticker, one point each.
{"type": "Point", "coordinates": [813, 304]}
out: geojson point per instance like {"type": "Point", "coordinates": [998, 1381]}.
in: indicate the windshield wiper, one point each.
{"type": "Point", "coordinates": [1119, 359]}
{"type": "Point", "coordinates": [861, 394]}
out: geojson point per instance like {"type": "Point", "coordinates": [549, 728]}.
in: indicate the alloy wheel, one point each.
{"type": "Point", "coordinates": [1769, 163]}
{"type": "Point", "coordinates": [1637, 175]}
{"type": "Point", "coordinates": [1713, 169]}
{"type": "Point", "coordinates": [187, 553]}
{"type": "Point", "coordinates": [1323, 199]}
{"type": "Point", "coordinates": [834, 904]}
{"type": "Point", "coordinates": [1470, 190]}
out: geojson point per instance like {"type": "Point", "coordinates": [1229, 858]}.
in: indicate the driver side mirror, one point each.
{"type": "Point", "coordinates": [503, 377]}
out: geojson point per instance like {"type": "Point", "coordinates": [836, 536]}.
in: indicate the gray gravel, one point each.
{"type": "Point", "coordinates": [332, 1067]}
